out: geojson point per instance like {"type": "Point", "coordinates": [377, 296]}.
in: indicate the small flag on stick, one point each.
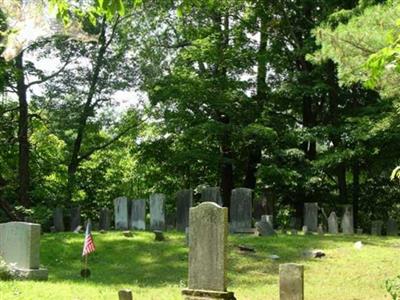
{"type": "Point", "coordinates": [88, 246]}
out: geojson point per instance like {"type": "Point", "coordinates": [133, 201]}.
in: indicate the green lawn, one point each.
{"type": "Point", "coordinates": [158, 270]}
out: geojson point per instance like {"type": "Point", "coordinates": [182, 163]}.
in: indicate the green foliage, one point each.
{"type": "Point", "coordinates": [393, 287]}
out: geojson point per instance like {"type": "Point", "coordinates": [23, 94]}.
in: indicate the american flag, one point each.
{"type": "Point", "coordinates": [88, 246]}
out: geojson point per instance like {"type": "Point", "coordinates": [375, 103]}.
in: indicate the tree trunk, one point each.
{"type": "Point", "coordinates": [87, 109]}
{"type": "Point", "coordinates": [356, 191]}
{"type": "Point", "coordinates": [254, 149]}
{"type": "Point", "coordinates": [23, 138]}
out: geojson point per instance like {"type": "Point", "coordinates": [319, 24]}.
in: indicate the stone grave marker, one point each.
{"type": "Point", "coordinates": [347, 220]}
{"type": "Point", "coordinates": [376, 227]}
{"type": "Point", "coordinates": [291, 282]}
{"type": "Point", "coordinates": [105, 219]}
{"type": "Point", "coordinates": [240, 210]}
{"type": "Point", "coordinates": [264, 205]}
{"type": "Point", "coordinates": [211, 194]}
{"type": "Point", "coordinates": [138, 214]}
{"type": "Point", "coordinates": [333, 226]}
{"type": "Point", "coordinates": [184, 201]}
{"type": "Point", "coordinates": [208, 234]}
{"type": "Point", "coordinates": [75, 220]}
{"type": "Point", "coordinates": [58, 219]}
{"type": "Point", "coordinates": [265, 226]}
{"type": "Point", "coordinates": [311, 216]}
{"type": "Point", "coordinates": [20, 249]}
{"type": "Point", "coordinates": [392, 227]}
{"type": "Point", "coordinates": [157, 212]}
{"type": "Point", "coordinates": [121, 213]}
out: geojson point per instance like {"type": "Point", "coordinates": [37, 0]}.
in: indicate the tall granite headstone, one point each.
{"type": "Point", "coordinates": [208, 235]}
{"type": "Point", "coordinates": [333, 226]}
{"type": "Point", "coordinates": [58, 219]}
{"type": "Point", "coordinates": [240, 210]}
{"type": "Point", "coordinates": [121, 213]}
{"type": "Point", "coordinates": [184, 201]}
{"type": "Point", "coordinates": [376, 227]}
{"type": "Point", "coordinates": [311, 216]}
{"type": "Point", "coordinates": [138, 214]}
{"type": "Point", "coordinates": [212, 194]}
{"type": "Point", "coordinates": [105, 219]}
{"type": "Point", "coordinates": [75, 220]}
{"type": "Point", "coordinates": [347, 220]}
{"type": "Point", "coordinates": [392, 227]}
{"type": "Point", "coordinates": [291, 282]}
{"type": "Point", "coordinates": [20, 249]}
{"type": "Point", "coordinates": [157, 212]}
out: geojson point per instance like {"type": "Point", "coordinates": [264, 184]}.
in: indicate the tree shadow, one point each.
{"type": "Point", "coordinates": [117, 259]}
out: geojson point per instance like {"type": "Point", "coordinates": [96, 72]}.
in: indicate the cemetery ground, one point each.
{"type": "Point", "coordinates": [158, 270]}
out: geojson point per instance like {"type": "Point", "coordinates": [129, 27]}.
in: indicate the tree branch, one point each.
{"type": "Point", "coordinates": [46, 78]}
{"type": "Point", "coordinates": [110, 142]}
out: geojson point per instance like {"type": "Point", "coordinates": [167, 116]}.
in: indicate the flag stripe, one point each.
{"type": "Point", "coordinates": [88, 246]}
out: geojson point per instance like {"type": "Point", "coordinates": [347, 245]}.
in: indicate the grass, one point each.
{"type": "Point", "coordinates": [158, 270]}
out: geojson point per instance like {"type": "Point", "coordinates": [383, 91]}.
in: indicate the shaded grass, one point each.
{"type": "Point", "coordinates": [158, 270]}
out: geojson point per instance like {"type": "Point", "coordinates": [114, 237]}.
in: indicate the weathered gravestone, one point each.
{"type": "Point", "coordinates": [376, 227]}
{"type": "Point", "coordinates": [138, 214]}
{"type": "Point", "coordinates": [75, 220]}
{"type": "Point", "coordinates": [311, 216]}
{"type": "Point", "coordinates": [184, 201]}
{"type": "Point", "coordinates": [333, 226]}
{"type": "Point", "coordinates": [265, 226]}
{"type": "Point", "coordinates": [347, 220]}
{"type": "Point", "coordinates": [125, 295]}
{"type": "Point", "coordinates": [211, 194]}
{"type": "Point", "coordinates": [208, 234]}
{"type": "Point", "coordinates": [392, 228]}
{"type": "Point", "coordinates": [264, 205]}
{"type": "Point", "coordinates": [121, 213]}
{"type": "Point", "coordinates": [157, 212]}
{"type": "Point", "coordinates": [240, 210]}
{"type": "Point", "coordinates": [20, 249]}
{"type": "Point", "coordinates": [291, 282]}
{"type": "Point", "coordinates": [105, 219]}
{"type": "Point", "coordinates": [58, 219]}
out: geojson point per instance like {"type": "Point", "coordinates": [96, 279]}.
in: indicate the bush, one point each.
{"type": "Point", "coordinates": [5, 272]}
{"type": "Point", "coordinates": [393, 287]}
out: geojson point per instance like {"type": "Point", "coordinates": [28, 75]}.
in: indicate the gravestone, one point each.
{"type": "Point", "coordinates": [121, 213]}
{"type": "Point", "coordinates": [311, 216]}
{"type": "Point", "coordinates": [138, 214]}
{"type": "Point", "coordinates": [58, 219]}
{"type": "Point", "coordinates": [333, 226]}
{"type": "Point", "coordinates": [291, 282]}
{"type": "Point", "coordinates": [75, 220]}
{"type": "Point", "coordinates": [184, 201]}
{"type": "Point", "coordinates": [157, 212]}
{"type": "Point", "coordinates": [265, 226]}
{"type": "Point", "coordinates": [392, 228]}
{"type": "Point", "coordinates": [208, 236]}
{"type": "Point", "coordinates": [240, 210]}
{"type": "Point", "coordinates": [211, 194]}
{"type": "Point", "coordinates": [20, 249]}
{"type": "Point", "coordinates": [347, 220]}
{"type": "Point", "coordinates": [125, 295]}
{"type": "Point", "coordinates": [376, 227]}
{"type": "Point", "coordinates": [264, 205]}
{"type": "Point", "coordinates": [295, 223]}
{"type": "Point", "coordinates": [105, 219]}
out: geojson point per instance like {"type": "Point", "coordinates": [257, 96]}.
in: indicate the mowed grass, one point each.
{"type": "Point", "coordinates": [158, 270]}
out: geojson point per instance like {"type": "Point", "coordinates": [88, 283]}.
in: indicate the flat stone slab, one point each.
{"type": "Point", "coordinates": [189, 294]}
{"type": "Point", "coordinates": [40, 274]}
